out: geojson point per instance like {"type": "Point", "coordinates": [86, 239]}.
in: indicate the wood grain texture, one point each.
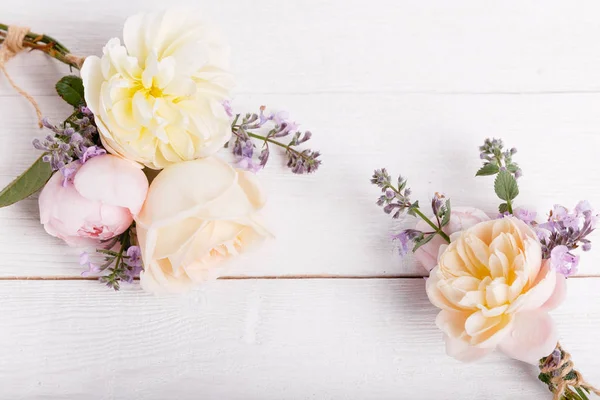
{"type": "Point", "coordinates": [348, 45]}
{"type": "Point", "coordinates": [328, 223]}
{"type": "Point", "coordinates": [311, 339]}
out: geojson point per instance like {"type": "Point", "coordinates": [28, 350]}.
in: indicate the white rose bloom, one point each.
{"type": "Point", "coordinates": [157, 98]}
{"type": "Point", "coordinates": [197, 215]}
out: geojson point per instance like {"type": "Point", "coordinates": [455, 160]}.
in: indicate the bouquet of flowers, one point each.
{"type": "Point", "coordinates": [495, 279]}
{"type": "Point", "coordinates": [133, 170]}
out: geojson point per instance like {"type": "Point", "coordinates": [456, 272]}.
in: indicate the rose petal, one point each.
{"type": "Point", "coordinates": [533, 337]}
{"type": "Point", "coordinates": [559, 294]}
{"type": "Point", "coordinates": [463, 351]}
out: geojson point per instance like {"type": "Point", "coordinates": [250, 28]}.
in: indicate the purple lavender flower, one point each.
{"type": "Point", "coordinates": [91, 152]}
{"type": "Point", "coordinates": [525, 215]}
{"type": "Point", "coordinates": [569, 229]}
{"type": "Point", "coordinates": [68, 173]}
{"type": "Point", "coordinates": [134, 256]}
{"type": "Point", "coordinates": [406, 239]}
{"type": "Point", "coordinates": [84, 261]}
{"type": "Point", "coordinates": [563, 261]}
{"type": "Point", "coordinates": [249, 165]}
{"type": "Point", "coordinates": [68, 142]}
{"type": "Point", "coordinates": [299, 161]}
{"type": "Point", "coordinates": [227, 107]}
{"type": "Point", "coordinates": [133, 259]}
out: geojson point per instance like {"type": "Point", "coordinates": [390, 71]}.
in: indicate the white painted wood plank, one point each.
{"type": "Point", "coordinates": [348, 45]}
{"type": "Point", "coordinates": [265, 339]}
{"type": "Point", "coordinates": [328, 223]}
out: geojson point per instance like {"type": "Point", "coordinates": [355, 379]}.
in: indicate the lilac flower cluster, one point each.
{"type": "Point", "coordinates": [396, 200]}
{"type": "Point", "coordinates": [123, 265]}
{"type": "Point", "coordinates": [497, 159]}
{"type": "Point", "coordinates": [407, 239]}
{"type": "Point", "coordinates": [299, 161]}
{"type": "Point", "coordinates": [564, 232]}
{"type": "Point", "coordinates": [73, 140]}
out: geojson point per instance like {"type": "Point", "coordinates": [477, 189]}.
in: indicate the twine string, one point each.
{"type": "Point", "coordinates": [13, 44]}
{"type": "Point", "coordinates": [563, 375]}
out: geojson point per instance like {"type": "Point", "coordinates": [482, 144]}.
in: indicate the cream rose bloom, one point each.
{"type": "Point", "coordinates": [157, 98]}
{"type": "Point", "coordinates": [495, 292]}
{"type": "Point", "coordinates": [197, 215]}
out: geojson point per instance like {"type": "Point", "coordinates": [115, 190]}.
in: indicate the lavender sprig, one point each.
{"type": "Point", "coordinates": [70, 141]}
{"type": "Point", "coordinates": [119, 266]}
{"type": "Point", "coordinates": [395, 200]}
{"type": "Point", "coordinates": [499, 161]}
{"type": "Point", "coordinates": [299, 161]}
{"type": "Point", "coordinates": [564, 232]}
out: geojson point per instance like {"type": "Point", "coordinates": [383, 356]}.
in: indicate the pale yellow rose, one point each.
{"type": "Point", "coordinates": [495, 291]}
{"type": "Point", "coordinates": [198, 214]}
{"type": "Point", "coordinates": [157, 98]}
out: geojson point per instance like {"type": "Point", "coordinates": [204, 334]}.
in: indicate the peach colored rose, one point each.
{"type": "Point", "coordinates": [461, 218]}
{"type": "Point", "coordinates": [95, 201]}
{"type": "Point", "coordinates": [495, 291]}
{"type": "Point", "coordinates": [198, 214]}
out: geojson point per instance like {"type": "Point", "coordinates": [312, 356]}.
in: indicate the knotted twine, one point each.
{"type": "Point", "coordinates": [563, 374]}
{"type": "Point", "coordinates": [13, 44]}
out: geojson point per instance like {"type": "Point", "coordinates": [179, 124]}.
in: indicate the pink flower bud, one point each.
{"type": "Point", "coordinates": [97, 201]}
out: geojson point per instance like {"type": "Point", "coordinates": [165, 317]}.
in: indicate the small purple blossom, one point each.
{"type": "Point", "coordinates": [249, 165]}
{"type": "Point", "coordinates": [227, 107]}
{"type": "Point", "coordinates": [91, 152]}
{"type": "Point", "coordinates": [84, 261]}
{"type": "Point", "coordinates": [134, 256]}
{"type": "Point", "coordinates": [406, 240]}
{"type": "Point", "coordinates": [68, 143]}
{"type": "Point", "coordinates": [68, 173]}
{"type": "Point", "coordinates": [299, 161]}
{"type": "Point", "coordinates": [133, 259]}
{"type": "Point", "coordinates": [564, 232]}
{"type": "Point", "coordinates": [525, 215]}
{"type": "Point", "coordinates": [563, 261]}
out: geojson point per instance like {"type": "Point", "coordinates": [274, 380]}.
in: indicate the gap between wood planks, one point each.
{"type": "Point", "coordinates": [233, 278]}
{"type": "Point", "coordinates": [342, 92]}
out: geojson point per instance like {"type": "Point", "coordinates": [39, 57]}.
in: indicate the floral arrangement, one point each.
{"type": "Point", "coordinates": [495, 279]}
{"type": "Point", "coordinates": [133, 171]}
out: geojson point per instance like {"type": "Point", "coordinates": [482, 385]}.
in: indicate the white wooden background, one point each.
{"type": "Point", "coordinates": [412, 85]}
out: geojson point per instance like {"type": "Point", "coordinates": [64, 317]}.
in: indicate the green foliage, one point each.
{"type": "Point", "coordinates": [70, 88]}
{"type": "Point", "coordinates": [506, 186]}
{"type": "Point", "coordinates": [422, 241]}
{"type": "Point", "coordinates": [503, 208]}
{"type": "Point", "coordinates": [488, 169]}
{"type": "Point", "coordinates": [447, 213]}
{"type": "Point", "coordinates": [26, 184]}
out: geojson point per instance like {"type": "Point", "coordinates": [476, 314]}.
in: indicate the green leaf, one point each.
{"type": "Point", "coordinates": [421, 242]}
{"type": "Point", "coordinates": [503, 208]}
{"type": "Point", "coordinates": [506, 186]}
{"type": "Point", "coordinates": [70, 88]}
{"type": "Point", "coordinates": [447, 214]}
{"type": "Point", "coordinates": [488, 169]}
{"type": "Point", "coordinates": [411, 209]}
{"type": "Point", "coordinates": [581, 394]}
{"type": "Point", "coordinates": [512, 167]}
{"type": "Point", "coordinates": [26, 184]}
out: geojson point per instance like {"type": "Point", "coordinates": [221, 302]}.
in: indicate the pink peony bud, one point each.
{"type": "Point", "coordinates": [94, 201]}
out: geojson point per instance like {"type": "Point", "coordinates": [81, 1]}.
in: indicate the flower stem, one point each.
{"type": "Point", "coordinates": [438, 230]}
{"type": "Point", "coordinates": [44, 43]}
{"type": "Point", "coordinates": [509, 206]}
{"type": "Point", "coordinates": [269, 140]}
